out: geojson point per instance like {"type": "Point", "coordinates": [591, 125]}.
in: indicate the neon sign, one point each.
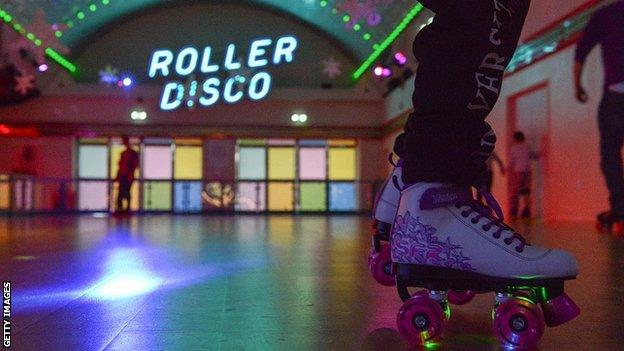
{"type": "Point", "coordinates": [190, 62]}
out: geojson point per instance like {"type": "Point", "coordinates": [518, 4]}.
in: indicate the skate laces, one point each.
{"type": "Point", "coordinates": [391, 160]}
{"type": "Point", "coordinates": [493, 213]}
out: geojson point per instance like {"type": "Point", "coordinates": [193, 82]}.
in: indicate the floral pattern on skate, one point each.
{"type": "Point", "coordinates": [415, 242]}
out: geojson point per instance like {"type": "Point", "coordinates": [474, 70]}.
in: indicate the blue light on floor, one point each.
{"type": "Point", "coordinates": [126, 285]}
{"type": "Point", "coordinates": [126, 274]}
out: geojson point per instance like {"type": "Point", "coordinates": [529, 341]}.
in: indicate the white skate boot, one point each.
{"type": "Point", "coordinates": [384, 210]}
{"type": "Point", "coordinates": [442, 239]}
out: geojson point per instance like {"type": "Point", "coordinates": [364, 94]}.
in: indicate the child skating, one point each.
{"type": "Point", "coordinates": [520, 156]}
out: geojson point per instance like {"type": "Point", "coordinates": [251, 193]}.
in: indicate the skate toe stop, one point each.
{"type": "Point", "coordinates": [560, 310]}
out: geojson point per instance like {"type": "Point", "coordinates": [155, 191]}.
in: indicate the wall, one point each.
{"type": "Point", "coordinates": [219, 162]}
{"type": "Point", "coordinates": [53, 155]}
{"type": "Point", "coordinates": [544, 12]}
{"type": "Point", "coordinates": [574, 183]}
{"type": "Point", "coordinates": [84, 108]}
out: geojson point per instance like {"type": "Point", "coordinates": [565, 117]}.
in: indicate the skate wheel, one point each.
{"type": "Point", "coordinates": [518, 323]}
{"type": "Point", "coordinates": [618, 228]}
{"type": "Point", "coordinates": [458, 297]}
{"type": "Point", "coordinates": [380, 266]}
{"type": "Point", "coordinates": [420, 320]}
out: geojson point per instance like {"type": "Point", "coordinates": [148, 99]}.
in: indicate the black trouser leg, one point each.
{"type": "Point", "coordinates": [123, 194]}
{"type": "Point", "coordinates": [462, 58]}
{"type": "Point", "coordinates": [611, 126]}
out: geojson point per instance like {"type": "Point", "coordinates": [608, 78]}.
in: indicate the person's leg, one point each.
{"type": "Point", "coordinates": [525, 194]}
{"type": "Point", "coordinates": [462, 59]}
{"type": "Point", "coordinates": [124, 194]}
{"type": "Point", "coordinates": [119, 202]}
{"type": "Point", "coordinates": [514, 192]}
{"type": "Point", "coordinates": [610, 122]}
{"type": "Point", "coordinates": [442, 239]}
{"type": "Point", "coordinates": [129, 196]}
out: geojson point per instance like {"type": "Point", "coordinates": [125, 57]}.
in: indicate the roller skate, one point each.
{"type": "Point", "coordinates": [610, 222]}
{"type": "Point", "coordinates": [442, 239]}
{"type": "Point", "coordinates": [379, 261]}
{"type": "Point", "coordinates": [384, 211]}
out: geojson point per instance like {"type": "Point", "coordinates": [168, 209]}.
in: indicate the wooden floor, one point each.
{"type": "Point", "coordinates": [255, 283]}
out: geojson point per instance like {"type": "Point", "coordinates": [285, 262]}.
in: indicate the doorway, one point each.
{"type": "Point", "coordinates": [529, 112]}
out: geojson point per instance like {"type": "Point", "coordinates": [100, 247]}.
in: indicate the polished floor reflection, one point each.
{"type": "Point", "coordinates": [255, 283]}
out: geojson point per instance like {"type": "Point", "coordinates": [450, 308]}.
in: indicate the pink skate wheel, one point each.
{"type": "Point", "coordinates": [518, 323]}
{"type": "Point", "coordinates": [420, 320]}
{"type": "Point", "coordinates": [560, 310]}
{"type": "Point", "coordinates": [457, 297]}
{"type": "Point", "coordinates": [618, 228]}
{"type": "Point", "coordinates": [380, 266]}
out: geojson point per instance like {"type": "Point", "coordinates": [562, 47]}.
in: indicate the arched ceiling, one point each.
{"type": "Point", "coordinates": [362, 27]}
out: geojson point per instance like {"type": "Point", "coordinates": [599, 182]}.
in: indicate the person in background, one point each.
{"type": "Point", "coordinates": [606, 27]}
{"type": "Point", "coordinates": [128, 163]}
{"type": "Point", "coordinates": [26, 164]}
{"type": "Point", "coordinates": [488, 178]}
{"type": "Point", "coordinates": [520, 156]}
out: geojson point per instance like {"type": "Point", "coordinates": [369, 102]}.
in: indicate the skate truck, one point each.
{"type": "Point", "coordinates": [445, 243]}
{"type": "Point", "coordinates": [384, 212]}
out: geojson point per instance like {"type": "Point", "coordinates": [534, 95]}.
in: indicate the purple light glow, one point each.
{"type": "Point", "coordinates": [400, 58]}
{"type": "Point", "coordinates": [43, 67]}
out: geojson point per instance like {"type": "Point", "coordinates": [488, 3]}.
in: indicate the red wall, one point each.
{"type": "Point", "coordinates": [573, 185]}
{"type": "Point", "coordinates": [544, 12]}
{"type": "Point", "coordinates": [53, 155]}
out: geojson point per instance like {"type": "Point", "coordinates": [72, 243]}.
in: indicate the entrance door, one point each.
{"type": "Point", "coordinates": [529, 112]}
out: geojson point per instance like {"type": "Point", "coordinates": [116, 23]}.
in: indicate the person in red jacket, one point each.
{"type": "Point", "coordinates": [128, 163]}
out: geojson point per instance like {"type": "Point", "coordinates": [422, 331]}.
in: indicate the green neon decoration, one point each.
{"type": "Point", "coordinates": [51, 53]}
{"type": "Point", "coordinates": [58, 58]}
{"type": "Point", "coordinates": [380, 48]}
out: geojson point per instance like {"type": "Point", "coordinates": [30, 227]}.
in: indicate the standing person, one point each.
{"type": "Point", "coordinates": [128, 163]}
{"type": "Point", "coordinates": [520, 157]}
{"type": "Point", "coordinates": [606, 27]}
{"type": "Point", "coordinates": [441, 235]}
{"type": "Point", "coordinates": [488, 179]}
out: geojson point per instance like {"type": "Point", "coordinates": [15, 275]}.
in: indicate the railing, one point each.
{"type": "Point", "coordinates": [555, 37]}
{"type": "Point", "coordinates": [30, 195]}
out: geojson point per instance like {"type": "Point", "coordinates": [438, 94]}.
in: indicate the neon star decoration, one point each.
{"type": "Point", "coordinates": [109, 75]}
{"type": "Point", "coordinates": [24, 84]}
{"type": "Point", "coordinates": [332, 67]}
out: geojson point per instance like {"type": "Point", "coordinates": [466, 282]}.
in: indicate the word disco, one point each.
{"type": "Point", "coordinates": [190, 61]}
